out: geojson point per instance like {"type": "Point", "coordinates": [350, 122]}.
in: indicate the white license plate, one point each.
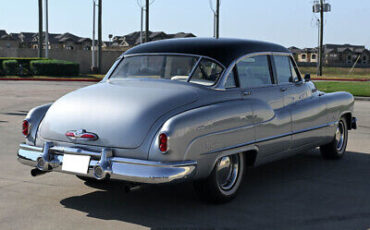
{"type": "Point", "coordinates": [76, 163]}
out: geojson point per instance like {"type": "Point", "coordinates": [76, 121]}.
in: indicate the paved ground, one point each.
{"type": "Point", "coordinates": [302, 192]}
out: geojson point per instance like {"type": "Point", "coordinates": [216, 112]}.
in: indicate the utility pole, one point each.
{"type": "Point", "coordinates": [321, 35]}
{"type": "Point", "coordinates": [217, 29]}
{"type": "Point", "coordinates": [321, 7]}
{"type": "Point", "coordinates": [40, 29]}
{"type": "Point", "coordinates": [141, 23]}
{"type": "Point", "coordinates": [46, 29]}
{"type": "Point", "coordinates": [216, 18]}
{"type": "Point", "coordinates": [93, 53]}
{"type": "Point", "coordinates": [99, 36]}
{"type": "Point", "coordinates": [318, 48]}
{"type": "Point", "coordinates": [147, 21]}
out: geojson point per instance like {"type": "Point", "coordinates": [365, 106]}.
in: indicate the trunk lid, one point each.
{"type": "Point", "coordinates": [120, 112]}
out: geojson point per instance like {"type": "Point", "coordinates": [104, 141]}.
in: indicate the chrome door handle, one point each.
{"type": "Point", "coordinates": [283, 89]}
{"type": "Point", "coordinates": [247, 93]}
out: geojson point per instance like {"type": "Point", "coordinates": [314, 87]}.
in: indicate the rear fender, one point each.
{"type": "Point", "coordinates": [34, 117]}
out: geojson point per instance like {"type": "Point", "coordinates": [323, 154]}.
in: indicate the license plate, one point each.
{"type": "Point", "coordinates": [76, 163]}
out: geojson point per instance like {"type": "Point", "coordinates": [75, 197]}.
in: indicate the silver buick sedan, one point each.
{"type": "Point", "coordinates": [197, 109]}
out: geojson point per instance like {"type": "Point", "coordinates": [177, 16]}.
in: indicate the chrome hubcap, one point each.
{"type": "Point", "coordinates": [339, 136]}
{"type": "Point", "coordinates": [227, 171]}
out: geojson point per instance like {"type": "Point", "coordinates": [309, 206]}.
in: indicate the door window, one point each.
{"type": "Point", "coordinates": [285, 70]}
{"type": "Point", "coordinates": [254, 72]}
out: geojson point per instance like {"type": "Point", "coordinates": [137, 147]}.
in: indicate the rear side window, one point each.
{"type": "Point", "coordinates": [207, 73]}
{"type": "Point", "coordinates": [286, 73]}
{"type": "Point", "coordinates": [254, 72]}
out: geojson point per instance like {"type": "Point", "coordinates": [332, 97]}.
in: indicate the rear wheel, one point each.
{"type": "Point", "coordinates": [337, 148]}
{"type": "Point", "coordinates": [224, 182]}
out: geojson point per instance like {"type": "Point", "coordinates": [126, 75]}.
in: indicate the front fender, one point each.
{"type": "Point", "coordinates": [34, 117]}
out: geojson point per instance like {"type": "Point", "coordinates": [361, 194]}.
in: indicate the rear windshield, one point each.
{"type": "Point", "coordinates": [171, 67]}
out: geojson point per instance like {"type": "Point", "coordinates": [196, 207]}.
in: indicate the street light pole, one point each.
{"type": "Point", "coordinates": [93, 41]}
{"type": "Point", "coordinates": [46, 29]}
{"type": "Point", "coordinates": [100, 36]}
{"type": "Point", "coordinates": [40, 29]}
{"type": "Point", "coordinates": [147, 21]}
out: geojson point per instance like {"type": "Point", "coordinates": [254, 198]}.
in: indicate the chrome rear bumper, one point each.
{"type": "Point", "coordinates": [104, 165]}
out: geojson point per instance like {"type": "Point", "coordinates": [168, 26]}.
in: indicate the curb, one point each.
{"type": "Point", "coordinates": [362, 98]}
{"type": "Point", "coordinates": [48, 79]}
{"type": "Point", "coordinates": [338, 79]}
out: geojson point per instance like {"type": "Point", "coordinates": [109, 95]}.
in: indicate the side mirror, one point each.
{"type": "Point", "coordinates": [307, 77]}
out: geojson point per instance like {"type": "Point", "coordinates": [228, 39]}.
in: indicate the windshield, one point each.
{"type": "Point", "coordinates": [171, 67]}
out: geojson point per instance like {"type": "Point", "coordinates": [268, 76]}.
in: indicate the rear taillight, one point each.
{"type": "Point", "coordinates": [163, 145]}
{"type": "Point", "coordinates": [25, 128]}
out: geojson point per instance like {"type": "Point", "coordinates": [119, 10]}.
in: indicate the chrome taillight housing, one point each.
{"type": "Point", "coordinates": [163, 142]}
{"type": "Point", "coordinates": [25, 128]}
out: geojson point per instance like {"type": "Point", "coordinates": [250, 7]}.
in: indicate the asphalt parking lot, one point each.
{"type": "Point", "coordinates": [301, 192]}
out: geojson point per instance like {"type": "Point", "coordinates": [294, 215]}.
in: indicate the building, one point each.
{"type": "Point", "coordinates": [70, 41]}
{"type": "Point", "coordinates": [306, 55]}
{"type": "Point", "coordinates": [56, 41]}
{"type": "Point", "coordinates": [346, 54]}
{"type": "Point", "coordinates": [7, 41]}
{"type": "Point", "coordinates": [334, 55]}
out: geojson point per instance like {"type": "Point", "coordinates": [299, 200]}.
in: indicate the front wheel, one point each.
{"type": "Point", "coordinates": [224, 182]}
{"type": "Point", "coordinates": [336, 148]}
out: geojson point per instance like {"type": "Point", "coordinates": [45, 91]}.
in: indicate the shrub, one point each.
{"type": "Point", "coordinates": [54, 68]}
{"type": "Point", "coordinates": [10, 67]}
{"type": "Point", "coordinates": [23, 62]}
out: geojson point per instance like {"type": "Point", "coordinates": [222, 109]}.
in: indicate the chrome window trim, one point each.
{"type": "Point", "coordinates": [200, 57]}
{"type": "Point", "coordinates": [223, 78]}
{"type": "Point", "coordinates": [175, 54]}
{"type": "Point", "coordinates": [295, 66]}
{"type": "Point", "coordinates": [222, 81]}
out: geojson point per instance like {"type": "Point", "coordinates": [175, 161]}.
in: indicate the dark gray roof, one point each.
{"type": "Point", "coordinates": [225, 50]}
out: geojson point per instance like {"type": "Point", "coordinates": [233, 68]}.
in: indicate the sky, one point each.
{"type": "Point", "coordinates": [287, 22]}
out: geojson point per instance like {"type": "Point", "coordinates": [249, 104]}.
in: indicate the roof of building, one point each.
{"type": "Point", "coordinates": [3, 32]}
{"type": "Point", "coordinates": [7, 37]}
{"type": "Point", "coordinates": [225, 50]}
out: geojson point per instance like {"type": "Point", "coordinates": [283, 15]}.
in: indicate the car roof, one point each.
{"type": "Point", "coordinates": [224, 50]}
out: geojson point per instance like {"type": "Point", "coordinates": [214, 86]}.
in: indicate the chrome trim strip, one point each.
{"type": "Point", "coordinates": [176, 54]}
{"type": "Point", "coordinates": [272, 137]}
{"type": "Point", "coordinates": [194, 69]}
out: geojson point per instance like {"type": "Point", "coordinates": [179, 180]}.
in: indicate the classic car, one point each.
{"type": "Point", "coordinates": [199, 109]}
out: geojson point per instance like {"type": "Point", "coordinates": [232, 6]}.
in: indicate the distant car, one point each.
{"type": "Point", "coordinates": [188, 109]}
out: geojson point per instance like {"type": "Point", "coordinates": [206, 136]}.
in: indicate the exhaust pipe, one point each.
{"type": "Point", "coordinates": [37, 172]}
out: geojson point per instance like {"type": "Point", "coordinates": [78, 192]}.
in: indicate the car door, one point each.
{"type": "Point", "coordinates": [307, 111]}
{"type": "Point", "coordinates": [257, 84]}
